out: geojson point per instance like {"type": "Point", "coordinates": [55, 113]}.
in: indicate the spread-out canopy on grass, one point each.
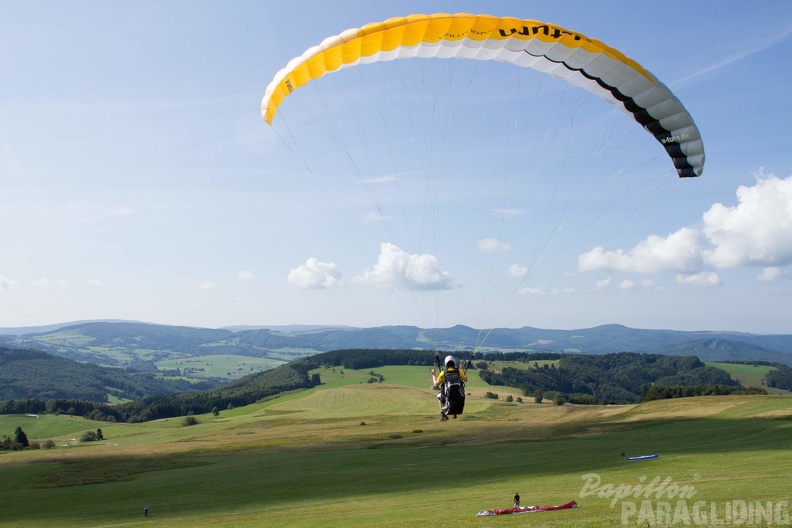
{"type": "Point", "coordinates": [526, 509]}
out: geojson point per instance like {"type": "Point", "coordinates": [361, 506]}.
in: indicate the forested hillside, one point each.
{"type": "Point", "coordinates": [31, 374]}
{"type": "Point", "coordinates": [609, 378]}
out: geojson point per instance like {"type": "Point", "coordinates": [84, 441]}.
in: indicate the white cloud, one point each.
{"type": "Point", "coordinates": [93, 282]}
{"type": "Point", "coordinates": [376, 180]}
{"type": "Point", "coordinates": [757, 231]}
{"type": "Point", "coordinates": [399, 269]}
{"type": "Point", "coordinates": [244, 275]}
{"type": "Point", "coordinates": [205, 285]}
{"type": "Point", "coordinates": [374, 216]}
{"type": "Point", "coordinates": [48, 282]}
{"type": "Point", "coordinates": [517, 271]}
{"type": "Point", "coordinates": [772, 274]}
{"type": "Point", "coordinates": [705, 278]}
{"type": "Point", "coordinates": [7, 284]}
{"type": "Point", "coordinates": [626, 284]}
{"type": "Point", "coordinates": [604, 283]}
{"type": "Point", "coordinates": [539, 292]}
{"type": "Point", "coordinates": [315, 274]}
{"type": "Point", "coordinates": [678, 252]}
{"type": "Point", "coordinates": [122, 211]}
{"type": "Point", "coordinates": [510, 212]}
{"type": "Point", "coordinates": [493, 244]}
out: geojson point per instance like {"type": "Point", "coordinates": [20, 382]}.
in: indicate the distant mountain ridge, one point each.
{"type": "Point", "coordinates": [121, 344]}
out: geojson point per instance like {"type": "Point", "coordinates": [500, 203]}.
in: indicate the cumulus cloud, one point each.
{"type": "Point", "coordinates": [493, 244]}
{"type": "Point", "coordinates": [517, 271]}
{"type": "Point", "coordinates": [7, 284]}
{"type": "Point", "coordinates": [315, 274]}
{"type": "Point", "coordinates": [678, 252]}
{"type": "Point", "coordinates": [397, 268]}
{"type": "Point", "coordinates": [244, 275]}
{"type": "Point", "coordinates": [705, 278]}
{"type": "Point", "coordinates": [772, 274]}
{"type": "Point", "coordinates": [539, 292]}
{"type": "Point", "coordinates": [626, 284]}
{"type": "Point", "coordinates": [604, 283]}
{"type": "Point", "coordinates": [755, 232]}
{"type": "Point", "coordinates": [205, 285]}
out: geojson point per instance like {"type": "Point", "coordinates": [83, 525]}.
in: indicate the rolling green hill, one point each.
{"type": "Point", "coordinates": [31, 374]}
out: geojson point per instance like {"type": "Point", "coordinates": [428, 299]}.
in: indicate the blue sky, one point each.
{"type": "Point", "coordinates": [138, 181]}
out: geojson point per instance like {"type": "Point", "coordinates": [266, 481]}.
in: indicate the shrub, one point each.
{"type": "Point", "coordinates": [190, 420]}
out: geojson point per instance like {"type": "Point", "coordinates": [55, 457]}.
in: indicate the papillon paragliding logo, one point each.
{"type": "Point", "coordinates": [662, 502]}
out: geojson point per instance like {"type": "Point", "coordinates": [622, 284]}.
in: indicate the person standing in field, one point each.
{"type": "Point", "coordinates": [517, 500]}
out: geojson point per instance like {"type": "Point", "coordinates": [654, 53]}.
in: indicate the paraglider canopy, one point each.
{"type": "Point", "coordinates": [552, 49]}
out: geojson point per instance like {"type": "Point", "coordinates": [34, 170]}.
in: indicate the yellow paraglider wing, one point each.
{"type": "Point", "coordinates": [551, 49]}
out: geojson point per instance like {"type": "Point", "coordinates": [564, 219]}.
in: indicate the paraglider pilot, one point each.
{"type": "Point", "coordinates": [452, 389]}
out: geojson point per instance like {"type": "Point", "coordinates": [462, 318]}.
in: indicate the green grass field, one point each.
{"type": "Point", "coordinates": [353, 453]}
{"type": "Point", "coordinates": [748, 375]}
{"type": "Point", "coordinates": [219, 366]}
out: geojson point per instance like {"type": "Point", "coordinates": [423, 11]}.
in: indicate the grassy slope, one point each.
{"type": "Point", "coordinates": [306, 460]}
{"type": "Point", "coordinates": [748, 375]}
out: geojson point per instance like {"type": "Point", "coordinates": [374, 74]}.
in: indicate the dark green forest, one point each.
{"type": "Point", "coordinates": [781, 378]}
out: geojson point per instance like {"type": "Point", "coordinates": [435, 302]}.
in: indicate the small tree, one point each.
{"type": "Point", "coordinates": [190, 420]}
{"type": "Point", "coordinates": [215, 412]}
{"type": "Point", "coordinates": [538, 397]}
{"type": "Point", "coordinates": [509, 398]}
{"type": "Point", "coordinates": [21, 438]}
{"type": "Point", "coordinates": [99, 435]}
{"type": "Point", "coordinates": [48, 444]}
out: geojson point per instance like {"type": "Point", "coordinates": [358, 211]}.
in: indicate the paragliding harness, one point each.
{"type": "Point", "coordinates": [452, 392]}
